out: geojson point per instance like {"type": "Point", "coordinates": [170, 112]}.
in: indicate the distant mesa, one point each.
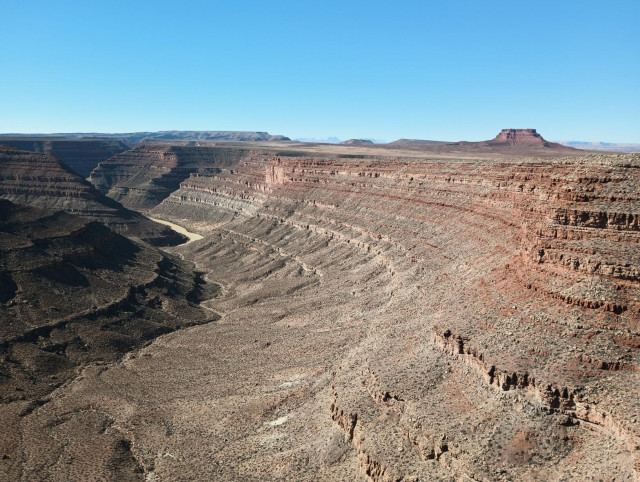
{"type": "Point", "coordinates": [240, 136]}
{"type": "Point", "coordinates": [357, 142]}
{"type": "Point", "coordinates": [508, 141]}
{"type": "Point", "coordinates": [518, 140]}
{"type": "Point", "coordinates": [514, 137]}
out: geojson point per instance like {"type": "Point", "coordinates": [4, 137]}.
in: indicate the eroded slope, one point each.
{"type": "Point", "coordinates": [81, 155]}
{"type": "Point", "coordinates": [43, 181]}
{"type": "Point", "coordinates": [142, 177]}
{"type": "Point", "coordinates": [75, 294]}
{"type": "Point", "coordinates": [394, 320]}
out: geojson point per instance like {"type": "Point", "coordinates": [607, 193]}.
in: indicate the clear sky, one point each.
{"type": "Point", "coordinates": [444, 70]}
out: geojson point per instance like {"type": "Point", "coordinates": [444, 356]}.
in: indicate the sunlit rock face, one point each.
{"type": "Point", "coordinates": [518, 137]}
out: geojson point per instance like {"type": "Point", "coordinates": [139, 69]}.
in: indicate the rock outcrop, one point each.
{"type": "Point", "coordinates": [519, 137]}
{"type": "Point", "coordinates": [80, 155]}
{"type": "Point", "coordinates": [41, 180]}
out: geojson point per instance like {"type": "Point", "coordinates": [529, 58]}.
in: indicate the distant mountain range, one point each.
{"type": "Point", "coordinates": [326, 140]}
{"type": "Point", "coordinates": [602, 146]}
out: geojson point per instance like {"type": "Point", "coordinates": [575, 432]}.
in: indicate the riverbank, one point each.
{"type": "Point", "coordinates": [179, 229]}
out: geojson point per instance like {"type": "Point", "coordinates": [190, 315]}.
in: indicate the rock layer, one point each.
{"type": "Point", "coordinates": [80, 155]}
{"type": "Point", "coordinates": [141, 178]}
{"type": "Point", "coordinates": [515, 256]}
{"type": "Point", "coordinates": [43, 181]}
{"type": "Point", "coordinates": [515, 137]}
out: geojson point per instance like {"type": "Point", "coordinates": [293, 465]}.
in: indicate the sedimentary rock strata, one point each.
{"type": "Point", "coordinates": [141, 178]}
{"type": "Point", "coordinates": [80, 155]}
{"type": "Point", "coordinates": [386, 319]}
{"type": "Point", "coordinates": [43, 181]}
{"type": "Point", "coordinates": [518, 137]}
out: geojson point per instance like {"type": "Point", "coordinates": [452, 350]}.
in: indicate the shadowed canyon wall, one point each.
{"type": "Point", "coordinates": [43, 181]}
{"type": "Point", "coordinates": [81, 155]}
{"type": "Point", "coordinates": [76, 295]}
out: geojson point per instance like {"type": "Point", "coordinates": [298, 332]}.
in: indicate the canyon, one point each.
{"type": "Point", "coordinates": [79, 155]}
{"type": "Point", "coordinates": [41, 180]}
{"type": "Point", "coordinates": [411, 311]}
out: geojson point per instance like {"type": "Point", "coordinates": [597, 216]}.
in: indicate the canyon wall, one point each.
{"type": "Point", "coordinates": [41, 180]}
{"type": "Point", "coordinates": [80, 155]}
{"type": "Point", "coordinates": [386, 319]}
{"type": "Point", "coordinates": [142, 177]}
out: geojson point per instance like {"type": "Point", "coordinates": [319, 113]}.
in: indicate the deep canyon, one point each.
{"type": "Point", "coordinates": [462, 311]}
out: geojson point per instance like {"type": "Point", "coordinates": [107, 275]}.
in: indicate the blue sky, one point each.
{"type": "Point", "coordinates": [445, 70]}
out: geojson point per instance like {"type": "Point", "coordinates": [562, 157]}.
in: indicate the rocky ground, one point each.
{"type": "Point", "coordinates": [383, 318]}
{"type": "Point", "coordinates": [75, 296]}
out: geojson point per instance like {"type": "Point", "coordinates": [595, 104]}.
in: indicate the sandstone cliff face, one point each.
{"type": "Point", "coordinates": [43, 181]}
{"type": "Point", "coordinates": [523, 140]}
{"type": "Point", "coordinates": [80, 155]}
{"type": "Point", "coordinates": [394, 319]}
{"type": "Point", "coordinates": [506, 291]}
{"type": "Point", "coordinates": [515, 137]}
